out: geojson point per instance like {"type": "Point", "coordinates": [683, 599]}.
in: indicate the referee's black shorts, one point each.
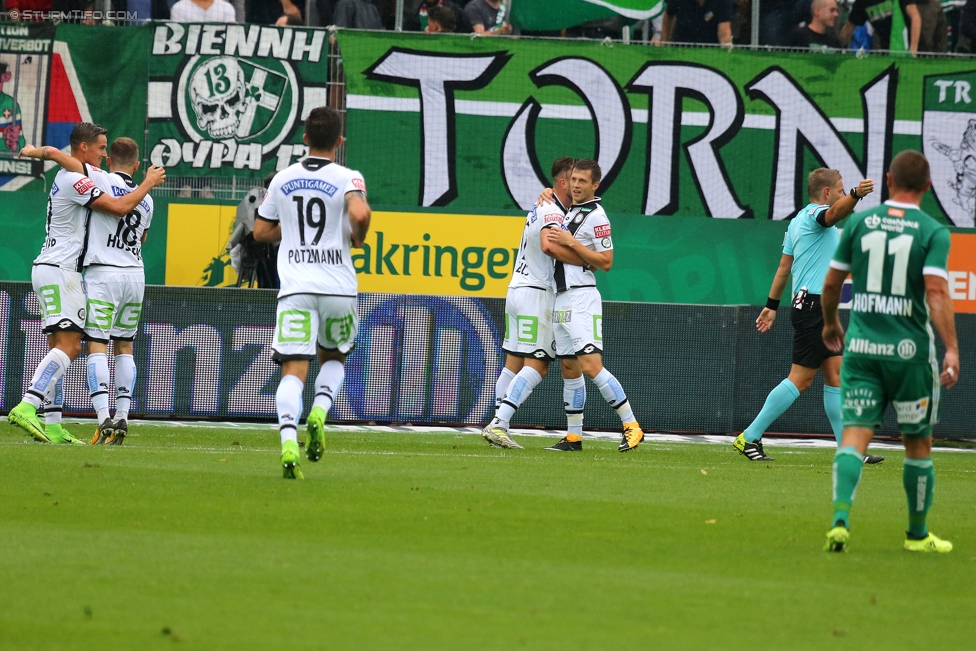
{"type": "Point", "coordinates": [808, 347]}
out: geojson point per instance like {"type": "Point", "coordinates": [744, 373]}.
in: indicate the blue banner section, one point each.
{"type": "Point", "coordinates": [205, 353]}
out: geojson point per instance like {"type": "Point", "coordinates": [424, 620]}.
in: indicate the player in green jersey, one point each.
{"type": "Point", "coordinates": [897, 256]}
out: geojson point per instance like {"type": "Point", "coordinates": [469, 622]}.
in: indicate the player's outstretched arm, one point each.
{"type": "Point", "coordinates": [943, 318]}
{"type": "Point", "coordinates": [122, 206]}
{"type": "Point", "coordinates": [359, 216]}
{"type": "Point", "coordinates": [845, 205]}
{"type": "Point", "coordinates": [833, 332]}
{"type": "Point", "coordinates": [69, 163]}
{"type": "Point", "coordinates": [768, 314]}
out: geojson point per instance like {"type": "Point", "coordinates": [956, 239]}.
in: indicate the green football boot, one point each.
{"type": "Point", "coordinates": [290, 458]}
{"type": "Point", "coordinates": [24, 416]}
{"type": "Point", "coordinates": [58, 434]}
{"type": "Point", "coordinates": [316, 434]}
{"type": "Point", "coordinates": [930, 543]}
{"type": "Point", "coordinates": [837, 540]}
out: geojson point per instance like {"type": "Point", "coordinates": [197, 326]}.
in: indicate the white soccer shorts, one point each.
{"type": "Point", "coordinates": [528, 323]}
{"type": "Point", "coordinates": [61, 297]}
{"type": "Point", "coordinates": [114, 303]}
{"type": "Point", "coordinates": [578, 322]}
{"type": "Point", "coordinates": [304, 320]}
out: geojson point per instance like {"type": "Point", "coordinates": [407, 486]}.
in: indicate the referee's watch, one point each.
{"type": "Point", "coordinates": [854, 194]}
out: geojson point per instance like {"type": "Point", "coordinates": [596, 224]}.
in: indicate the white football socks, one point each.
{"type": "Point", "coordinates": [98, 384]}
{"type": "Point", "coordinates": [501, 385]}
{"type": "Point", "coordinates": [54, 403]}
{"type": "Point", "coordinates": [328, 383]}
{"type": "Point", "coordinates": [518, 392]}
{"type": "Point", "coordinates": [125, 383]}
{"type": "Point", "coordinates": [51, 369]}
{"type": "Point", "coordinates": [614, 394]}
{"type": "Point", "coordinates": [574, 399]}
{"type": "Point", "coordinates": [288, 401]}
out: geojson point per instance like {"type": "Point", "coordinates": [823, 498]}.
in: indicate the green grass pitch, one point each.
{"type": "Point", "coordinates": [188, 538]}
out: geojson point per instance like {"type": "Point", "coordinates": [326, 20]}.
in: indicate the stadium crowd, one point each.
{"type": "Point", "coordinates": [923, 26]}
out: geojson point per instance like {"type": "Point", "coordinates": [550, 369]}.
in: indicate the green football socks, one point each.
{"type": "Point", "coordinates": [919, 479]}
{"type": "Point", "coordinates": [848, 464]}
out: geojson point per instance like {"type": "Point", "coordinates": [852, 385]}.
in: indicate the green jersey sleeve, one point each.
{"type": "Point", "coordinates": [937, 255]}
{"type": "Point", "coordinates": [842, 255]}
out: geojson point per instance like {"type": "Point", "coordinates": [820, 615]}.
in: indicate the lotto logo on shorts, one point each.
{"type": "Point", "coordinates": [527, 328]}
{"type": "Point", "coordinates": [338, 330]}
{"type": "Point", "coordinates": [911, 412]}
{"type": "Point", "coordinates": [49, 299]}
{"type": "Point", "coordinates": [100, 314]}
{"type": "Point", "coordinates": [84, 185]}
{"type": "Point", "coordinates": [294, 327]}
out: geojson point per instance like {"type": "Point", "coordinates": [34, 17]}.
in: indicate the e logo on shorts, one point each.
{"type": "Point", "coordinates": [100, 314]}
{"type": "Point", "coordinates": [295, 327]}
{"type": "Point", "coordinates": [49, 299]}
{"type": "Point", "coordinates": [597, 327]}
{"type": "Point", "coordinates": [338, 330]}
{"type": "Point", "coordinates": [527, 328]}
{"type": "Point", "coordinates": [128, 317]}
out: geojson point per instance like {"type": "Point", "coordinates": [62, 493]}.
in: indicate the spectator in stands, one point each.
{"type": "Point", "coordinates": [697, 21]}
{"type": "Point", "coordinates": [878, 13]}
{"type": "Point", "coordinates": [440, 19]}
{"type": "Point", "coordinates": [203, 11]}
{"type": "Point", "coordinates": [485, 18]}
{"type": "Point", "coordinates": [934, 36]}
{"type": "Point", "coordinates": [819, 32]}
{"type": "Point", "coordinates": [774, 21]}
{"type": "Point", "coordinates": [289, 20]}
{"type": "Point", "coordinates": [357, 14]}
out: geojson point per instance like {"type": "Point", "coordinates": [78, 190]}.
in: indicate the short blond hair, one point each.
{"type": "Point", "coordinates": [819, 179]}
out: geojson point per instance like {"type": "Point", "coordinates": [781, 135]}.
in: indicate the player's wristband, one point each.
{"type": "Point", "coordinates": [772, 304]}
{"type": "Point", "coordinates": [854, 194]}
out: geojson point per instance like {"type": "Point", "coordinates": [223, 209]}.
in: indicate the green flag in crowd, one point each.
{"type": "Point", "coordinates": [539, 15]}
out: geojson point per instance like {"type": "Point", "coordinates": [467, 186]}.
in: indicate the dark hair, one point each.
{"type": "Point", "coordinates": [910, 171]}
{"type": "Point", "coordinates": [443, 17]}
{"type": "Point", "coordinates": [560, 166]}
{"type": "Point", "coordinates": [85, 132]}
{"type": "Point", "coordinates": [3, 67]}
{"type": "Point", "coordinates": [591, 166]}
{"type": "Point", "coordinates": [819, 179]}
{"type": "Point", "coordinates": [323, 126]}
{"type": "Point", "coordinates": [267, 180]}
{"type": "Point", "coordinates": [124, 151]}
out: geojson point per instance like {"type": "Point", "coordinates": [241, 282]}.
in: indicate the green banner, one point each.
{"type": "Point", "coordinates": [473, 125]}
{"type": "Point", "coordinates": [228, 100]}
{"type": "Point", "coordinates": [544, 15]}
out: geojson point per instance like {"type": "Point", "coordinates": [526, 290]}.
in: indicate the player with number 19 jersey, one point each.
{"type": "Point", "coordinates": [115, 279]}
{"type": "Point", "coordinates": [318, 281]}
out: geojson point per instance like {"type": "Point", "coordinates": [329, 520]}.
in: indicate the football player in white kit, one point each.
{"type": "Point", "coordinates": [578, 316]}
{"type": "Point", "coordinates": [56, 274]}
{"type": "Point", "coordinates": [529, 344]}
{"type": "Point", "coordinates": [318, 209]}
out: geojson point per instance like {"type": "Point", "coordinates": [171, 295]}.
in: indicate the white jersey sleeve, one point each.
{"type": "Point", "coordinates": [589, 224]}
{"type": "Point", "coordinates": [68, 209]}
{"type": "Point", "coordinates": [533, 268]}
{"type": "Point", "coordinates": [308, 199]}
{"type": "Point", "coordinates": [117, 241]}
